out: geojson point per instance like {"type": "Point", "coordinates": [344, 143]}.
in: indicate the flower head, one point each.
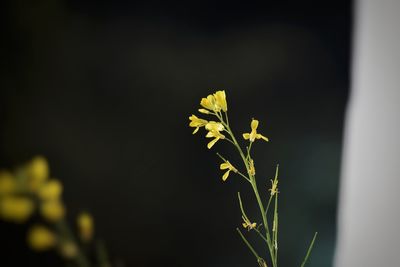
{"type": "Point", "coordinates": [37, 171]}
{"type": "Point", "coordinates": [196, 123]}
{"type": "Point", "coordinates": [52, 210]}
{"type": "Point", "coordinates": [253, 135]}
{"type": "Point", "coordinates": [215, 102]}
{"type": "Point", "coordinates": [247, 224]}
{"type": "Point", "coordinates": [7, 183]}
{"type": "Point", "coordinates": [40, 238]}
{"type": "Point", "coordinates": [227, 166]}
{"type": "Point", "coordinates": [50, 190]}
{"type": "Point", "coordinates": [214, 129]}
{"type": "Point", "coordinates": [16, 208]}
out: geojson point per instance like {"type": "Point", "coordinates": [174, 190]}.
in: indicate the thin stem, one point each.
{"type": "Point", "coordinates": [309, 249]}
{"type": "Point", "coordinates": [248, 244]}
{"type": "Point", "coordinates": [65, 231]}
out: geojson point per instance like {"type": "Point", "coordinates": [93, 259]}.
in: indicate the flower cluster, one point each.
{"type": "Point", "coordinates": [29, 191]}
{"type": "Point", "coordinates": [219, 129]}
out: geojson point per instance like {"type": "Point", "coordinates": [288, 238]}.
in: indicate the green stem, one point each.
{"type": "Point", "coordinates": [66, 233]}
{"type": "Point", "coordinates": [255, 189]}
{"type": "Point", "coordinates": [309, 249]}
{"type": "Point", "coordinates": [248, 244]}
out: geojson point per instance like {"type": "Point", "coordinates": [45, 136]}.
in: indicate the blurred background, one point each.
{"type": "Point", "coordinates": [104, 89]}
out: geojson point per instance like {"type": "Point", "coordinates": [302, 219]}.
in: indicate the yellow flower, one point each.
{"type": "Point", "coordinates": [52, 210]}
{"type": "Point", "coordinates": [215, 102]}
{"type": "Point", "coordinates": [254, 135]}
{"type": "Point", "coordinates": [85, 226]}
{"type": "Point", "coordinates": [229, 167]}
{"type": "Point", "coordinates": [196, 122]}
{"type": "Point", "coordinates": [16, 209]}
{"type": "Point", "coordinates": [40, 238]}
{"type": "Point", "coordinates": [252, 169]}
{"type": "Point", "coordinates": [247, 224]}
{"type": "Point", "coordinates": [220, 100]}
{"type": "Point", "coordinates": [214, 129]}
{"type": "Point", "coordinates": [274, 187]}
{"type": "Point", "coordinates": [209, 103]}
{"type": "Point", "coordinates": [50, 190]}
{"type": "Point", "coordinates": [7, 183]}
{"type": "Point", "coordinates": [37, 171]}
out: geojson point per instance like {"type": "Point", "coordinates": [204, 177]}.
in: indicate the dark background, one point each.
{"type": "Point", "coordinates": [104, 90]}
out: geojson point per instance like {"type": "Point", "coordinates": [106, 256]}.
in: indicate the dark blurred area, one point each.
{"type": "Point", "coordinates": [104, 89]}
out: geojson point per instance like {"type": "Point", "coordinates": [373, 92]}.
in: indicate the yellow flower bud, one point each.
{"type": "Point", "coordinates": [52, 210]}
{"type": "Point", "coordinates": [16, 209]}
{"type": "Point", "coordinates": [85, 226]}
{"type": "Point", "coordinates": [51, 190]}
{"type": "Point", "coordinates": [37, 171]}
{"type": "Point", "coordinates": [40, 238]}
{"type": "Point", "coordinates": [7, 182]}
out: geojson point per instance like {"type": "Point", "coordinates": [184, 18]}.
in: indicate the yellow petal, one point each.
{"type": "Point", "coordinates": [254, 124]}
{"type": "Point", "coordinates": [246, 136]}
{"type": "Point", "coordinates": [195, 130]}
{"type": "Point", "coordinates": [214, 126]}
{"type": "Point", "coordinates": [225, 176]}
{"type": "Point", "coordinates": [220, 99]}
{"type": "Point", "coordinates": [212, 143]}
{"type": "Point", "coordinates": [204, 111]}
{"type": "Point", "coordinates": [262, 137]}
{"type": "Point", "coordinates": [224, 166]}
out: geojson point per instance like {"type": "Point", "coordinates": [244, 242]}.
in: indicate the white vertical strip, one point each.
{"type": "Point", "coordinates": [369, 206]}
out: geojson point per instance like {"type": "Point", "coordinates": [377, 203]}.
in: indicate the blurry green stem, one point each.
{"type": "Point", "coordinates": [65, 232]}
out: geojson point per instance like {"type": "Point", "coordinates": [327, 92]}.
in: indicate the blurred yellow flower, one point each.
{"type": "Point", "coordinates": [253, 135]}
{"type": "Point", "coordinates": [68, 249]}
{"type": "Point", "coordinates": [229, 167]}
{"type": "Point", "coordinates": [196, 122]}
{"type": "Point", "coordinates": [52, 210]}
{"type": "Point", "coordinates": [40, 238]}
{"type": "Point", "coordinates": [16, 208]}
{"type": "Point", "coordinates": [85, 226]}
{"type": "Point", "coordinates": [220, 100]}
{"type": "Point", "coordinates": [214, 129]}
{"type": "Point", "coordinates": [247, 224]}
{"type": "Point", "coordinates": [7, 182]}
{"type": "Point", "coordinates": [37, 171]}
{"type": "Point", "coordinates": [50, 190]}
